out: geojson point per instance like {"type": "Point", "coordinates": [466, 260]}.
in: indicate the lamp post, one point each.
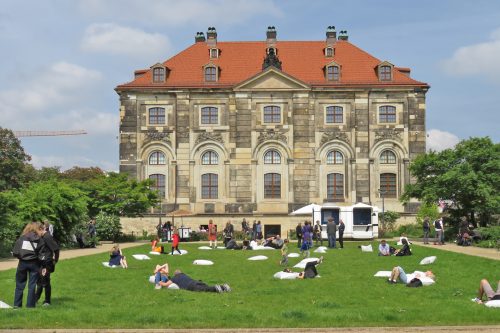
{"type": "Point", "coordinates": [382, 195]}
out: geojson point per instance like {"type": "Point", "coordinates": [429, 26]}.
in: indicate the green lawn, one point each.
{"type": "Point", "coordinates": [88, 295]}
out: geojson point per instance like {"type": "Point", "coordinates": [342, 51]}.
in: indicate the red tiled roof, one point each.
{"type": "Point", "coordinates": [239, 61]}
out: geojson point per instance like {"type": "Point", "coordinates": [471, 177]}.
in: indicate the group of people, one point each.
{"type": "Point", "coordinates": [157, 247]}
{"type": "Point", "coordinates": [38, 254]}
{"type": "Point", "coordinates": [306, 234]}
{"type": "Point", "coordinates": [385, 250]}
{"type": "Point", "coordinates": [162, 229]}
{"type": "Point", "coordinates": [439, 230]}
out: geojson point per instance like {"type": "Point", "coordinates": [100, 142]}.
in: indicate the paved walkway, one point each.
{"type": "Point", "coordinates": [468, 250]}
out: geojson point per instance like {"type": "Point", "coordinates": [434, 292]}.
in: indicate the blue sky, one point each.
{"type": "Point", "coordinates": [61, 60]}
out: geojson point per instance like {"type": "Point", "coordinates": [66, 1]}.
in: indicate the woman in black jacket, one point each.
{"type": "Point", "coordinates": [25, 250]}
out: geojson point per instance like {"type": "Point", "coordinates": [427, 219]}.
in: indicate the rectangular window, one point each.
{"type": "Point", "coordinates": [272, 114]}
{"type": "Point", "coordinates": [209, 186]}
{"type": "Point", "coordinates": [335, 186]}
{"type": "Point", "coordinates": [158, 184]}
{"type": "Point", "coordinates": [387, 114]}
{"type": "Point", "coordinates": [388, 185]}
{"type": "Point", "coordinates": [158, 74]}
{"type": "Point", "coordinates": [334, 115]}
{"type": "Point", "coordinates": [385, 73]}
{"type": "Point", "coordinates": [209, 116]}
{"type": "Point", "coordinates": [156, 116]}
{"type": "Point", "coordinates": [210, 74]}
{"type": "Point", "coordinates": [272, 186]}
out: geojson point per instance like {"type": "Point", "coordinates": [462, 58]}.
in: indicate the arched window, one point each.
{"type": "Point", "coordinates": [272, 157]}
{"type": "Point", "coordinates": [385, 73]}
{"type": "Point", "coordinates": [388, 185]}
{"type": "Point", "coordinates": [158, 184]}
{"type": "Point", "coordinates": [387, 157]}
{"type": "Point", "coordinates": [209, 186]}
{"type": "Point", "coordinates": [272, 186]}
{"type": "Point", "coordinates": [387, 114]}
{"type": "Point", "coordinates": [210, 157]}
{"type": "Point", "coordinates": [157, 158]}
{"type": "Point", "coordinates": [272, 114]}
{"type": "Point", "coordinates": [335, 186]}
{"type": "Point", "coordinates": [210, 74]}
{"type": "Point", "coordinates": [334, 157]}
{"type": "Point", "coordinates": [332, 73]}
{"type": "Point", "coordinates": [209, 115]}
{"type": "Point", "coordinates": [334, 115]}
{"type": "Point", "coordinates": [156, 116]}
{"type": "Point", "coordinates": [158, 74]}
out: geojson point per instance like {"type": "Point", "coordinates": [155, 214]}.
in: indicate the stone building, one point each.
{"type": "Point", "coordinates": [268, 126]}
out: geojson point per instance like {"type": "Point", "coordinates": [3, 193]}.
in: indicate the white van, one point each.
{"type": "Point", "coordinates": [361, 220]}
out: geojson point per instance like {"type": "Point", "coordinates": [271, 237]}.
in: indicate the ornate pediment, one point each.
{"type": "Point", "coordinates": [389, 134]}
{"type": "Point", "coordinates": [206, 136]}
{"type": "Point", "coordinates": [157, 136]}
{"type": "Point", "coordinates": [271, 135]}
{"type": "Point", "coordinates": [272, 79]}
{"type": "Point", "coordinates": [329, 136]}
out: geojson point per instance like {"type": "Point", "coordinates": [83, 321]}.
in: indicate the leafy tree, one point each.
{"type": "Point", "coordinates": [83, 174]}
{"type": "Point", "coordinates": [115, 194]}
{"type": "Point", "coordinates": [108, 226]}
{"type": "Point", "coordinates": [427, 210]}
{"type": "Point", "coordinates": [12, 160]}
{"type": "Point", "coordinates": [10, 224]}
{"type": "Point", "coordinates": [387, 221]}
{"type": "Point", "coordinates": [468, 175]}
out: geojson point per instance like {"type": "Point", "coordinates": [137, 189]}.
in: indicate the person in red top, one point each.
{"type": "Point", "coordinates": [212, 233]}
{"type": "Point", "coordinates": [175, 241]}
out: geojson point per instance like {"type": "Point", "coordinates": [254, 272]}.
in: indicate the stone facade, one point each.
{"type": "Point", "coordinates": [302, 137]}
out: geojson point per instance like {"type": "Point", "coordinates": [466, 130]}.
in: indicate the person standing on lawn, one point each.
{"type": "Point", "coordinates": [212, 234]}
{"type": "Point", "coordinates": [438, 225]}
{"type": "Point", "coordinates": [341, 233]}
{"type": "Point", "coordinates": [25, 249]}
{"type": "Point", "coordinates": [331, 230]}
{"type": "Point", "coordinates": [298, 233]}
{"type": "Point", "coordinates": [318, 233]}
{"type": "Point", "coordinates": [49, 250]}
{"type": "Point", "coordinates": [175, 241]}
{"type": "Point", "coordinates": [426, 227]}
{"type": "Point", "coordinates": [284, 253]}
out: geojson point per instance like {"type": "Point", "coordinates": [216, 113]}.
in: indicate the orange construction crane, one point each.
{"type": "Point", "coordinates": [19, 134]}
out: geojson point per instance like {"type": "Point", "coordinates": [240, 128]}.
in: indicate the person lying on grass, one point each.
{"type": "Point", "coordinates": [485, 289]}
{"type": "Point", "coordinates": [310, 271]}
{"type": "Point", "coordinates": [186, 282]}
{"type": "Point", "coordinates": [415, 279]}
{"type": "Point", "coordinates": [161, 275]}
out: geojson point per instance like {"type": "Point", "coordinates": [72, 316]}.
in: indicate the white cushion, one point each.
{"type": "Point", "coordinates": [286, 276]}
{"type": "Point", "coordinates": [493, 304]}
{"type": "Point", "coordinates": [221, 247]}
{"type": "Point", "coordinates": [293, 255]}
{"type": "Point", "coordinates": [203, 262]}
{"type": "Point", "coordinates": [141, 257]}
{"type": "Point", "coordinates": [428, 260]}
{"type": "Point", "coordinates": [383, 274]}
{"type": "Point", "coordinates": [262, 247]}
{"type": "Point", "coordinates": [366, 248]}
{"type": "Point", "coordinates": [155, 253]}
{"type": "Point", "coordinates": [183, 252]}
{"type": "Point", "coordinates": [106, 264]}
{"type": "Point", "coordinates": [303, 263]}
{"type": "Point", "coordinates": [258, 258]}
{"type": "Point", "coordinates": [320, 250]}
{"type": "Point", "coordinates": [204, 248]}
{"type": "Point", "coordinates": [4, 305]}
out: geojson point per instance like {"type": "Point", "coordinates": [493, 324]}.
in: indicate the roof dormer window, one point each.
{"type": "Point", "coordinates": [214, 53]}
{"type": "Point", "coordinates": [329, 52]}
{"type": "Point", "coordinates": [158, 74]}
{"type": "Point", "coordinates": [210, 73]}
{"type": "Point", "coordinates": [385, 71]}
{"type": "Point", "coordinates": [332, 71]}
{"type": "Point", "coordinates": [272, 50]}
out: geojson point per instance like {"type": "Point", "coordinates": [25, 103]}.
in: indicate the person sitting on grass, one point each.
{"type": "Point", "coordinates": [187, 283]}
{"type": "Point", "coordinates": [274, 242]}
{"type": "Point", "coordinates": [116, 257]}
{"type": "Point", "coordinates": [161, 275]}
{"type": "Point", "coordinates": [405, 250]}
{"type": "Point", "coordinates": [485, 289]}
{"type": "Point", "coordinates": [384, 249]}
{"type": "Point", "coordinates": [310, 271]}
{"type": "Point", "coordinates": [425, 278]}
{"type": "Point", "coordinates": [155, 245]}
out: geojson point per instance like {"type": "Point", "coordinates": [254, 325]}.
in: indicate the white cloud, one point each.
{"type": "Point", "coordinates": [114, 39]}
{"type": "Point", "coordinates": [440, 140]}
{"type": "Point", "coordinates": [175, 13]}
{"type": "Point", "coordinates": [477, 59]}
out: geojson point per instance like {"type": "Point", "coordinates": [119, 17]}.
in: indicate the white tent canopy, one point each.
{"type": "Point", "coordinates": [306, 210]}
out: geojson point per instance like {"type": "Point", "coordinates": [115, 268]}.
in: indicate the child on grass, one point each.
{"type": "Point", "coordinates": [284, 253]}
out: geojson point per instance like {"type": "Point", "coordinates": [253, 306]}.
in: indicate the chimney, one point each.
{"type": "Point", "coordinates": [211, 37]}
{"type": "Point", "coordinates": [343, 35]}
{"type": "Point", "coordinates": [331, 35]}
{"type": "Point", "coordinates": [200, 37]}
{"type": "Point", "coordinates": [271, 36]}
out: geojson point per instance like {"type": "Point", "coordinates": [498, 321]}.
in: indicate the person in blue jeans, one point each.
{"type": "Point", "coordinates": [28, 266]}
{"type": "Point", "coordinates": [161, 275]}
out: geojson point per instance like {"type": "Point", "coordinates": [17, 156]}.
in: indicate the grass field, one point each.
{"type": "Point", "coordinates": [88, 295]}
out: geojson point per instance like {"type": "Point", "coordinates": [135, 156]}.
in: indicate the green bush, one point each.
{"type": "Point", "coordinates": [413, 230]}
{"type": "Point", "coordinates": [490, 237]}
{"type": "Point", "coordinates": [108, 226]}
